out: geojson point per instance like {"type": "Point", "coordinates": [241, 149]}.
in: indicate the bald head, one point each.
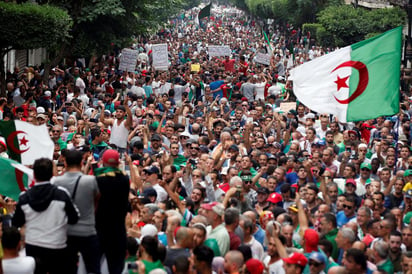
{"type": "Point", "coordinates": [184, 237]}
{"type": "Point", "coordinates": [337, 270]}
{"type": "Point", "coordinates": [359, 245]}
{"type": "Point", "coordinates": [251, 215]}
{"type": "Point", "coordinates": [235, 259]}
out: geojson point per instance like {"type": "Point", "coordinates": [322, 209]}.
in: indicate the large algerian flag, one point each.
{"type": "Point", "coordinates": [15, 178]}
{"type": "Point", "coordinates": [205, 12]}
{"type": "Point", "coordinates": [358, 82]}
{"type": "Point", "coordinates": [26, 142]}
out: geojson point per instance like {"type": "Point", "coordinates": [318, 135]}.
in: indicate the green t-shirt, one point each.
{"type": "Point", "coordinates": [152, 265]}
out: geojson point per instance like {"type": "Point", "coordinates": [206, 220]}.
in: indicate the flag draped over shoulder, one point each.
{"type": "Point", "coordinates": [26, 142]}
{"type": "Point", "coordinates": [358, 82]}
{"type": "Point", "coordinates": [15, 178]}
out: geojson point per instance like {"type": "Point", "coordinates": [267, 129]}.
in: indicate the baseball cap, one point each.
{"type": "Point", "coordinates": [47, 93]}
{"type": "Point", "coordinates": [366, 165]}
{"type": "Point", "coordinates": [263, 190]}
{"type": "Point", "coordinates": [42, 115]}
{"type": "Point", "coordinates": [296, 258]}
{"type": "Point", "coordinates": [40, 110]}
{"type": "Point", "coordinates": [301, 130]}
{"type": "Point", "coordinates": [408, 193]}
{"type": "Point", "coordinates": [407, 172]}
{"type": "Point", "coordinates": [148, 230]}
{"type": "Point", "coordinates": [274, 198]}
{"type": "Point", "coordinates": [351, 182]}
{"type": "Point", "coordinates": [110, 157]}
{"type": "Point", "coordinates": [152, 170]}
{"type": "Point", "coordinates": [254, 266]}
{"type": "Point", "coordinates": [217, 207]}
{"type": "Point", "coordinates": [234, 147]}
{"type": "Point", "coordinates": [311, 240]}
{"type": "Point", "coordinates": [318, 257]}
{"type": "Point", "coordinates": [293, 208]}
{"type": "Point", "coordinates": [156, 137]}
{"type": "Point", "coordinates": [407, 218]}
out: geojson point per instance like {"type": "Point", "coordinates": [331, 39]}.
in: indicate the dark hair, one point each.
{"type": "Point", "coordinates": [246, 252]}
{"type": "Point", "coordinates": [204, 253]}
{"type": "Point", "coordinates": [11, 238]}
{"type": "Point", "coordinates": [95, 132]}
{"type": "Point", "coordinates": [43, 169]}
{"type": "Point", "coordinates": [327, 246]}
{"type": "Point", "coordinates": [132, 246]}
{"type": "Point", "coordinates": [73, 158]}
{"type": "Point", "coordinates": [150, 244]}
{"type": "Point", "coordinates": [231, 216]}
{"type": "Point", "coordinates": [182, 264]}
{"type": "Point", "coordinates": [358, 256]}
{"type": "Point", "coordinates": [330, 218]}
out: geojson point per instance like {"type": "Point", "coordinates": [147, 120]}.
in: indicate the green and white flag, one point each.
{"type": "Point", "coordinates": [15, 178]}
{"type": "Point", "coordinates": [204, 12]}
{"type": "Point", "coordinates": [26, 142]}
{"type": "Point", "coordinates": [358, 82]}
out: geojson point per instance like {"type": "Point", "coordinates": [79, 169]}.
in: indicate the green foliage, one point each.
{"type": "Point", "coordinates": [27, 26]}
{"type": "Point", "coordinates": [311, 27]}
{"type": "Point", "coordinates": [346, 25]}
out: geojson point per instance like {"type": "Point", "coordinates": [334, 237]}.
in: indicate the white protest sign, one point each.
{"type": "Point", "coordinates": [286, 106]}
{"type": "Point", "coordinates": [128, 60]}
{"type": "Point", "coordinates": [160, 56]}
{"type": "Point", "coordinates": [262, 58]}
{"type": "Point", "coordinates": [219, 51]}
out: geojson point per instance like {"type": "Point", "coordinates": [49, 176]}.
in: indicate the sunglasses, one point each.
{"type": "Point", "coordinates": [365, 169]}
{"type": "Point", "coordinates": [55, 130]}
{"type": "Point", "coordinates": [315, 264]}
{"type": "Point", "coordinates": [348, 207]}
{"type": "Point", "coordinates": [247, 182]}
{"type": "Point", "coordinates": [197, 148]}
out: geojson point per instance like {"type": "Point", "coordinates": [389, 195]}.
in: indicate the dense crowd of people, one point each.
{"type": "Point", "coordinates": [211, 166]}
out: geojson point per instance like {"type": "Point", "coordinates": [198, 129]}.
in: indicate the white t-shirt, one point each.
{"type": "Point", "coordinates": [260, 91]}
{"type": "Point", "coordinates": [19, 265]}
{"type": "Point", "coordinates": [276, 267]}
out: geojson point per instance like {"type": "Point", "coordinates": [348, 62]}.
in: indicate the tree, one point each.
{"type": "Point", "coordinates": [346, 25]}
{"type": "Point", "coordinates": [28, 26]}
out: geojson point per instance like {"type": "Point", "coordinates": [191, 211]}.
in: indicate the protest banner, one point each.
{"type": "Point", "coordinates": [219, 51]}
{"type": "Point", "coordinates": [160, 56]}
{"type": "Point", "coordinates": [262, 58]}
{"type": "Point", "coordinates": [195, 67]}
{"type": "Point", "coordinates": [128, 60]}
{"type": "Point", "coordinates": [286, 106]}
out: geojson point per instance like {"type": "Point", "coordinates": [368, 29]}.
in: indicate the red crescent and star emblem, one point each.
{"type": "Point", "coordinates": [363, 80]}
{"type": "Point", "coordinates": [22, 141]}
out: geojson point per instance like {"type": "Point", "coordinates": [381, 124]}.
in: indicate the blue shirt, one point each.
{"type": "Point", "coordinates": [342, 220]}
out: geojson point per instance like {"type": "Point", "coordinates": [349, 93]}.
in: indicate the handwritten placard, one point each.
{"type": "Point", "coordinates": [160, 56]}
{"type": "Point", "coordinates": [286, 106]}
{"type": "Point", "coordinates": [262, 58]}
{"type": "Point", "coordinates": [128, 60]}
{"type": "Point", "coordinates": [219, 51]}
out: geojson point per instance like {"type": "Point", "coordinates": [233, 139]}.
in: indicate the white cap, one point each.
{"type": "Point", "coordinates": [148, 230]}
{"type": "Point", "coordinates": [40, 110]}
{"type": "Point", "coordinates": [47, 93]}
{"type": "Point", "coordinates": [301, 130]}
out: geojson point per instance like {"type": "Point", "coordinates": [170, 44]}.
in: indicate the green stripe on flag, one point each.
{"type": "Point", "coordinates": [267, 41]}
{"type": "Point", "coordinates": [382, 57]}
{"type": "Point", "coordinates": [205, 12]}
{"type": "Point", "coordinates": [14, 179]}
{"type": "Point", "coordinates": [6, 128]}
